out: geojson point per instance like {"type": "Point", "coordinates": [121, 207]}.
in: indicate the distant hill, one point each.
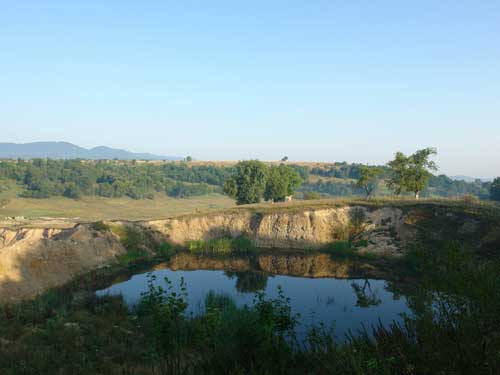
{"type": "Point", "coordinates": [470, 179]}
{"type": "Point", "coordinates": [65, 150]}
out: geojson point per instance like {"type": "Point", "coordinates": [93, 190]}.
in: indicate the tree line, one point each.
{"type": "Point", "coordinates": [43, 178]}
{"type": "Point", "coordinates": [412, 174]}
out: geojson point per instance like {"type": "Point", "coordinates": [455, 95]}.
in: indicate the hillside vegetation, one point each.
{"type": "Point", "coordinates": [41, 178]}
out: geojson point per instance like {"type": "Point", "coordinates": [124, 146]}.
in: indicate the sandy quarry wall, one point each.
{"type": "Point", "coordinates": [33, 259]}
{"type": "Point", "coordinates": [384, 228]}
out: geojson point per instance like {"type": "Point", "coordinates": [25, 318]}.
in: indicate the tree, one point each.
{"type": "Point", "coordinates": [72, 191]}
{"type": "Point", "coordinates": [284, 159]}
{"type": "Point", "coordinates": [369, 178]}
{"type": "Point", "coordinates": [249, 182]}
{"type": "Point", "coordinates": [495, 189]}
{"type": "Point", "coordinates": [281, 182]}
{"type": "Point", "coordinates": [411, 173]}
{"type": "Point", "coordinates": [189, 159]}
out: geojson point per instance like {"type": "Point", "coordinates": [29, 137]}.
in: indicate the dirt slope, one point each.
{"type": "Point", "coordinates": [33, 260]}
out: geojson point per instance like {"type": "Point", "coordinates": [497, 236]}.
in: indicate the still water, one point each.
{"type": "Point", "coordinates": [348, 303]}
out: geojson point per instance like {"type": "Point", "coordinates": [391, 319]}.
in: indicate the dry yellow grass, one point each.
{"type": "Point", "coordinates": [99, 208]}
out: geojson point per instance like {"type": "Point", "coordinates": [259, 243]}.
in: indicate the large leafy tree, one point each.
{"type": "Point", "coordinates": [282, 182]}
{"type": "Point", "coordinates": [249, 182]}
{"type": "Point", "coordinates": [412, 173]}
{"type": "Point", "coordinates": [368, 179]}
{"type": "Point", "coordinates": [495, 189]}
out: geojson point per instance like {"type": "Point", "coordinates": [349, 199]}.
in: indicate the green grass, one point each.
{"type": "Point", "coordinates": [221, 246]}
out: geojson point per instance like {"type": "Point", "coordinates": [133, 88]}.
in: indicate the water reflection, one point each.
{"type": "Point", "coordinates": [348, 303]}
{"type": "Point", "coordinates": [248, 281]}
{"type": "Point", "coordinates": [365, 295]}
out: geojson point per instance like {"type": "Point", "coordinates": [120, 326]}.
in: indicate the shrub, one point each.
{"type": "Point", "coordinates": [164, 250]}
{"type": "Point", "coordinates": [224, 245]}
{"type": "Point", "coordinates": [132, 255]}
{"type": "Point", "coordinates": [470, 199]}
{"type": "Point", "coordinates": [311, 195]}
{"type": "Point", "coordinates": [99, 226]}
{"type": "Point", "coordinates": [220, 245]}
{"type": "Point", "coordinates": [242, 243]}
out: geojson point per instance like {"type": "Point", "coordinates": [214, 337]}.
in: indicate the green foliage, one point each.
{"type": "Point", "coordinates": [495, 189]}
{"type": "Point", "coordinates": [165, 250]}
{"type": "Point", "coordinates": [411, 173]}
{"type": "Point", "coordinates": [242, 244]}
{"type": "Point", "coordinates": [161, 314]}
{"type": "Point", "coordinates": [182, 190]}
{"type": "Point", "coordinates": [221, 246]}
{"type": "Point", "coordinates": [249, 281]}
{"type": "Point", "coordinates": [254, 180]}
{"type": "Point", "coordinates": [132, 256]}
{"type": "Point", "coordinates": [100, 226]}
{"type": "Point", "coordinates": [72, 191]}
{"type": "Point", "coordinates": [249, 182]}
{"type": "Point", "coordinates": [139, 244]}
{"type": "Point", "coordinates": [212, 246]}
{"type": "Point", "coordinates": [444, 186]}
{"type": "Point", "coordinates": [43, 178]}
{"type": "Point", "coordinates": [281, 182]}
{"type": "Point", "coordinates": [368, 179]}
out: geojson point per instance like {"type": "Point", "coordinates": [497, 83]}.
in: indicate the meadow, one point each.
{"type": "Point", "coordinates": [93, 208]}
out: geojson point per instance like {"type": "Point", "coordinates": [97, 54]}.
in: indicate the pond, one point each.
{"type": "Point", "coordinates": [349, 303]}
{"type": "Point", "coordinates": [311, 282]}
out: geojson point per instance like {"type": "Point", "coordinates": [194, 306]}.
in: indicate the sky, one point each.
{"type": "Point", "coordinates": [314, 80]}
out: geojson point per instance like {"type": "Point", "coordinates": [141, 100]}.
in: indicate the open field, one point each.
{"type": "Point", "coordinates": [99, 208]}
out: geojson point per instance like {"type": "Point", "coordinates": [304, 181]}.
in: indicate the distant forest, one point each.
{"type": "Point", "coordinates": [43, 178]}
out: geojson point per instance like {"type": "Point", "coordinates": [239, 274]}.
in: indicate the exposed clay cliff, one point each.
{"type": "Point", "coordinates": [33, 260]}
{"type": "Point", "coordinates": [383, 229]}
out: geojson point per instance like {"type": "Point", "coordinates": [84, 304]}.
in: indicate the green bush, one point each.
{"type": "Point", "coordinates": [224, 245]}
{"type": "Point", "coordinates": [132, 255]}
{"type": "Point", "coordinates": [242, 243]}
{"type": "Point", "coordinates": [164, 250]}
{"type": "Point", "coordinates": [99, 226]}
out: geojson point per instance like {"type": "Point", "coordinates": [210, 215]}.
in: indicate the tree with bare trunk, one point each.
{"type": "Point", "coordinates": [411, 173]}
{"type": "Point", "coordinates": [368, 179]}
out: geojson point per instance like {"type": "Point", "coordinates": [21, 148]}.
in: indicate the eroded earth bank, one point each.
{"type": "Point", "coordinates": [33, 260]}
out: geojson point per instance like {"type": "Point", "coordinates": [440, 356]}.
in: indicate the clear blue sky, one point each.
{"type": "Point", "coordinates": [314, 80]}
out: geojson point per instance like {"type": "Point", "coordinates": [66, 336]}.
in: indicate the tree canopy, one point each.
{"type": "Point", "coordinates": [281, 182]}
{"type": "Point", "coordinates": [411, 173]}
{"type": "Point", "coordinates": [495, 189]}
{"type": "Point", "coordinates": [253, 180]}
{"type": "Point", "coordinates": [368, 179]}
{"type": "Point", "coordinates": [249, 182]}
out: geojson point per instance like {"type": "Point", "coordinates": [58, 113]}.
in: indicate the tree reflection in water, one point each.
{"type": "Point", "coordinates": [249, 281]}
{"type": "Point", "coordinates": [366, 297]}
